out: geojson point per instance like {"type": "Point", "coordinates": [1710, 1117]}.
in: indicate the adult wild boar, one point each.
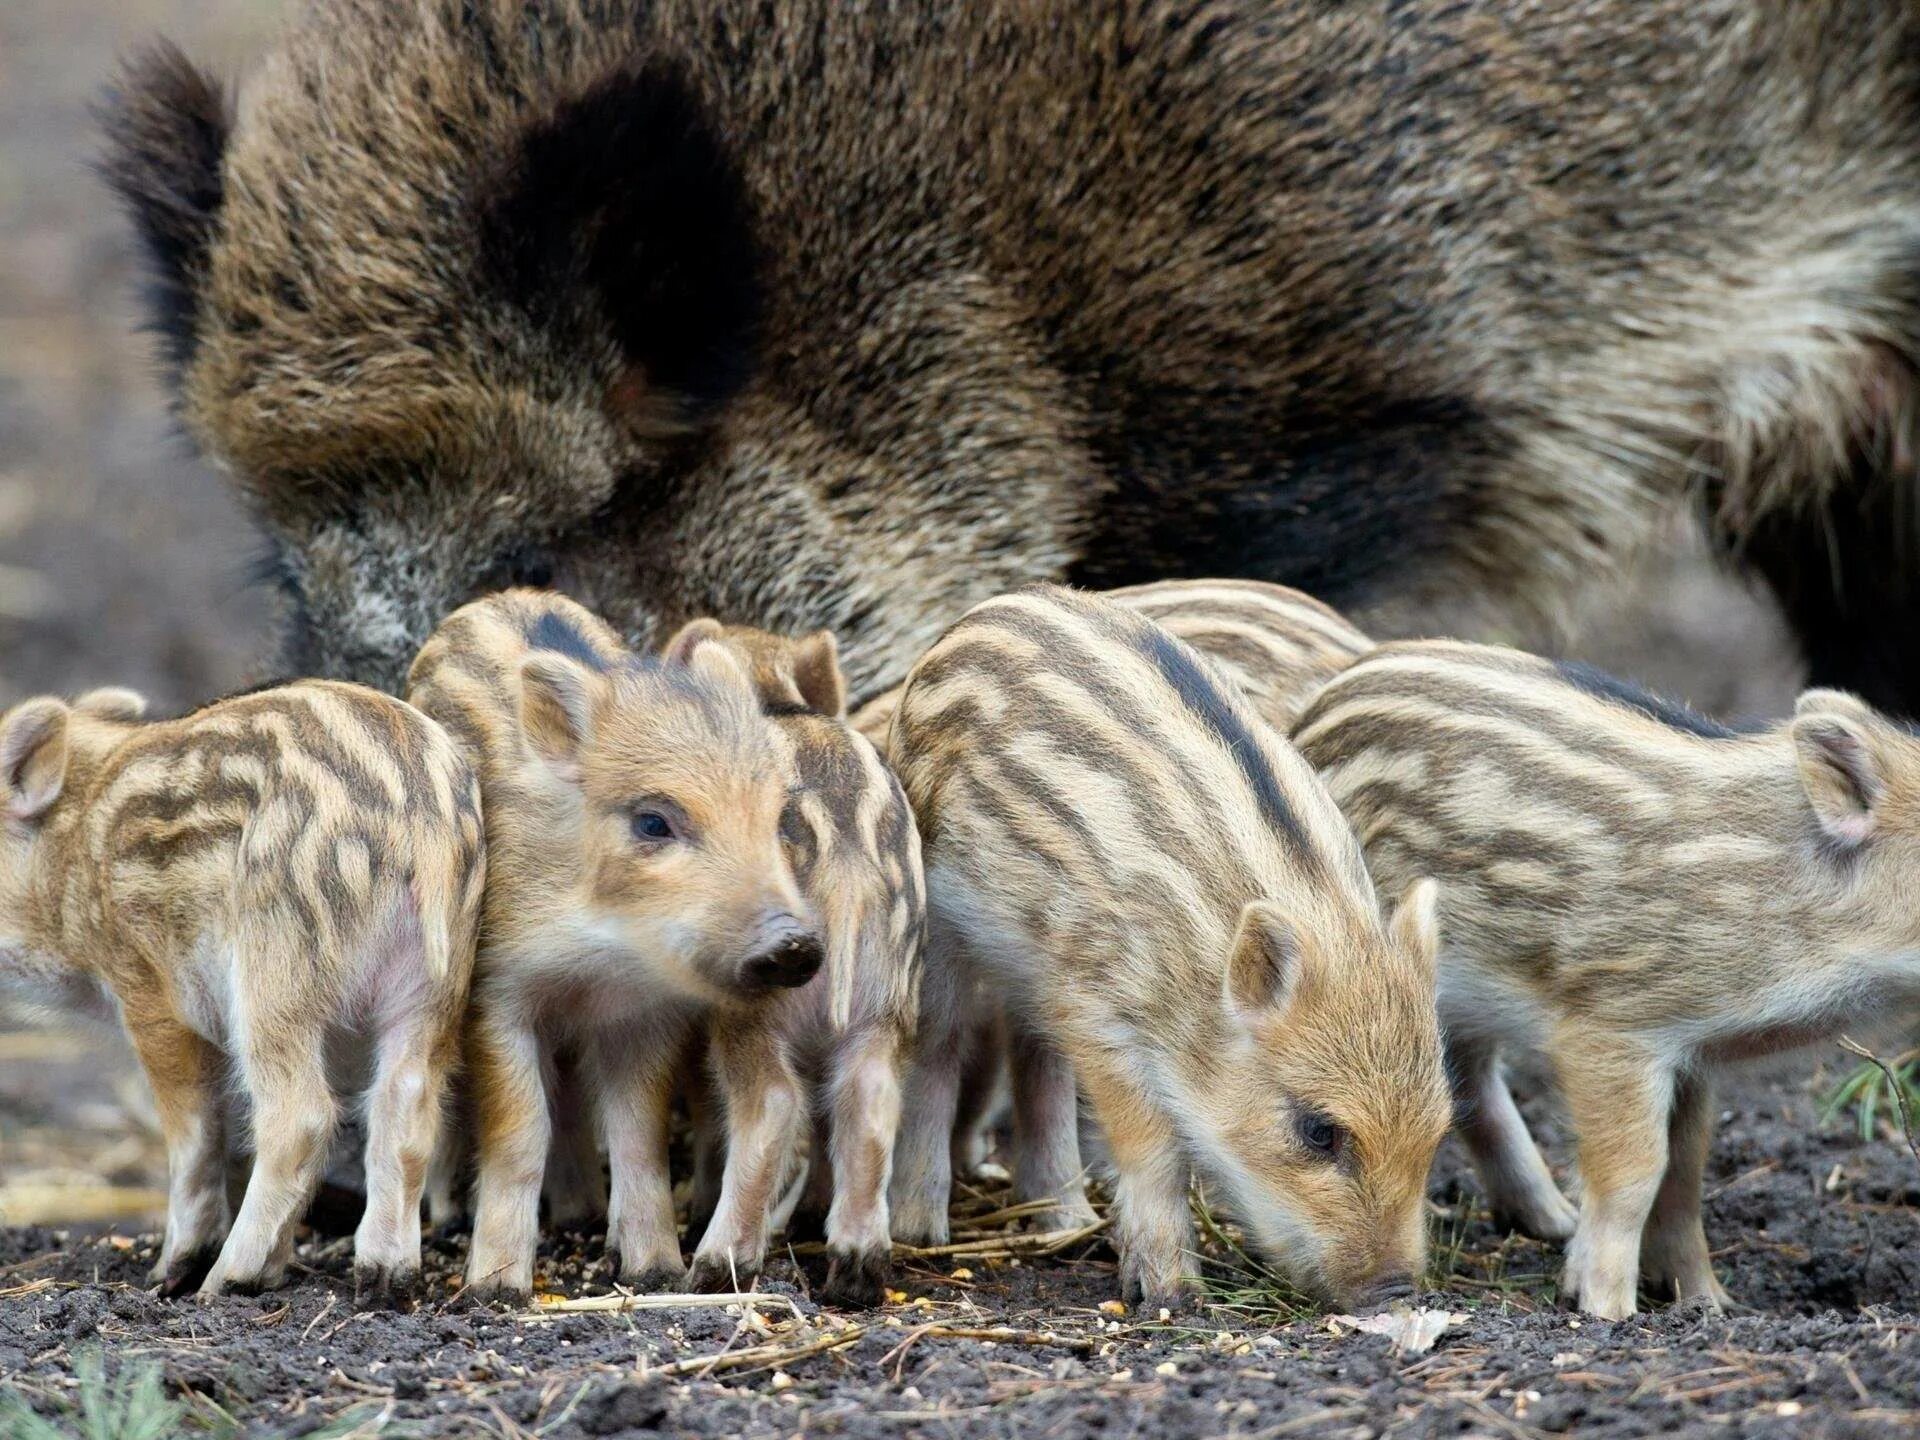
{"type": "Point", "coordinates": [809, 314]}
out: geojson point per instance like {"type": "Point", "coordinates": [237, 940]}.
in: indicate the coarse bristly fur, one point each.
{"type": "Point", "coordinates": [639, 884]}
{"type": "Point", "coordinates": [1175, 916]}
{"type": "Point", "coordinates": [856, 854]}
{"type": "Point", "coordinates": [810, 314]}
{"type": "Point", "coordinates": [243, 886]}
{"type": "Point", "coordinates": [1644, 893]}
{"type": "Point", "coordinates": [1274, 644]}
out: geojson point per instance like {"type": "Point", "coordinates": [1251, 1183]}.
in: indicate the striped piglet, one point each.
{"type": "Point", "coordinates": [1176, 916]}
{"type": "Point", "coordinates": [1642, 892]}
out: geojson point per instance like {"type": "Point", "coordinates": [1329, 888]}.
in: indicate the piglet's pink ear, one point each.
{"type": "Point", "coordinates": [112, 702]}
{"type": "Point", "coordinates": [1841, 771]}
{"type": "Point", "coordinates": [817, 675]}
{"type": "Point", "coordinates": [556, 708]}
{"type": "Point", "coordinates": [33, 757]}
{"type": "Point", "coordinates": [1264, 967]}
{"type": "Point", "coordinates": [689, 638]}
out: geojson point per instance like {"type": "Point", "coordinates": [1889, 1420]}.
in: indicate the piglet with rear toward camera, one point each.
{"type": "Point", "coordinates": [635, 805]}
{"type": "Point", "coordinates": [248, 887]}
{"type": "Point", "coordinates": [1177, 919]}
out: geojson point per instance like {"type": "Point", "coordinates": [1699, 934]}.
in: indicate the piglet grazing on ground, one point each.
{"type": "Point", "coordinates": [1642, 892]}
{"type": "Point", "coordinates": [1173, 910]}
{"type": "Point", "coordinates": [638, 884]}
{"type": "Point", "coordinates": [245, 885]}
{"type": "Point", "coordinates": [1275, 645]}
{"type": "Point", "coordinates": [845, 1036]}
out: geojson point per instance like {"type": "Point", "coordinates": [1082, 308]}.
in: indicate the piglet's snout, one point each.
{"type": "Point", "coordinates": [786, 953]}
{"type": "Point", "coordinates": [1384, 1292]}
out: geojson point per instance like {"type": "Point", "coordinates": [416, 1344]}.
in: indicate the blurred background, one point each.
{"type": "Point", "coordinates": [124, 560]}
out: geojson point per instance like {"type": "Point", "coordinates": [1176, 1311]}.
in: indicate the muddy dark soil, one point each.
{"type": "Point", "coordinates": [1817, 1232]}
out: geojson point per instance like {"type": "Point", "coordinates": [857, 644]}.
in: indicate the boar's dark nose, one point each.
{"type": "Point", "coordinates": [1384, 1292]}
{"type": "Point", "coordinates": [791, 963]}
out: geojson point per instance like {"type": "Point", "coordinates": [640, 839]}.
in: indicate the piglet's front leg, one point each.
{"type": "Point", "coordinates": [1153, 1223]}
{"type": "Point", "coordinates": [511, 1104]}
{"type": "Point", "coordinates": [765, 1107]}
{"type": "Point", "coordinates": [865, 1121]}
{"type": "Point", "coordinates": [634, 1074]}
{"type": "Point", "coordinates": [1619, 1096]}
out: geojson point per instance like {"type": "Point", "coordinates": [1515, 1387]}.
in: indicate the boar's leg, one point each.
{"type": "Point", "coordinates": [1152, 1220]}
{"type": "Point", "coordinates": [1619, 1094]}
{"type": "Point", "coordinates": [185, 1074]}
{"type": "Point", "coordinates": [633, 1072]}
{"type": "Point", "coordinates": [866, 1121]}
{"type": "Point", "coordinates": [1673, 1252]}
{"type": "Point", "coordinates": [576, 1184]}
{"type": "Point", "coordinates": [766, 1104]}
{"type": "Point", "coordinates": [1519, 1186]}
{"type": "Point", "coordinates": [1046, 1131]}
{"type": "Point", "coordinates": [510, 1098]}
{"type": "Point", "coordinates": [283, 1062]}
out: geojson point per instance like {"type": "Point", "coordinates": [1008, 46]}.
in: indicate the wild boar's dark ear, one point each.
{"type": "Point", "coordinates": [628, 190]}
{"type": "Point", "coordinates": [167, 124]}
{"type": "Point", "coordinates": [817, 675]}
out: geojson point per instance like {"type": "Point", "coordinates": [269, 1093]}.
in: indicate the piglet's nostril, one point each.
{"type": "Point", "coordinates": [793, 962]}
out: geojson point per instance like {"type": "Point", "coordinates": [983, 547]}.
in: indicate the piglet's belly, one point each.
{"type": "Point", "coordinates": [1765, 1040]}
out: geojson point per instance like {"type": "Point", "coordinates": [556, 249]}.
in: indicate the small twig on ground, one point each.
{"type": "Point", "coordinates": [1046, 1242]}
{"type": "Point", "coordinates": [595, 1303]}
{"type": "Point", "coordinates": [326, 1310]}
{"type": "Point", "coordinates": [1894, 1088]}
{"type": "Point", "coordinates": [759, 1356]}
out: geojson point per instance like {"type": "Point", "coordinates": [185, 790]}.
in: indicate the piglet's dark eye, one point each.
{"type": "Point", "coordinates": [1320, 1134]}
{"type": "Point", "coordinates": [651, 825]}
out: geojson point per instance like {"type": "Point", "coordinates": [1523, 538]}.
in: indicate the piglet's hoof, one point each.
{"type": "Point", "coordinates": [488, 1295]}
{"type": "Point", "coordinates": [184, 1275]}
{"type": "Point", "coordinates": [655, 1280]}
{"type": "Point", "coordinates": [856, 1279]}
{"type": "Point", "coordinates": [376, 1287]}
{"type": "Point", "coordinates": [713, 1275]}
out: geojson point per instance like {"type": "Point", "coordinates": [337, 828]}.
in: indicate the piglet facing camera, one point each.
{"type": "Point", "coordinates": [1177, 918]}
{"type": "Point", "coordinates": [641, 884]}
{"type": "Point", "coordinates": [1640, 891]}
{"type": "Point", "coordinates": [247, 883]}
{"type": "Point", "coordinates": [841, 1041]}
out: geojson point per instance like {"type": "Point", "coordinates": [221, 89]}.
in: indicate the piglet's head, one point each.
{"type": "Point", "coordinates": [683, 783]}
{"type": "Point", "coordinates": [1333, 1095]}
{"type": "Point", "coordinates": [48, 749]}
